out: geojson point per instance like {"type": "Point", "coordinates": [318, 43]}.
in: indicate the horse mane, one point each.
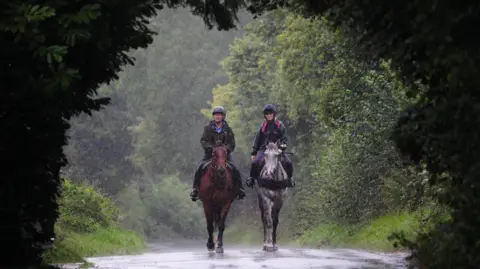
{"type": "Point", "coordinates": [271, 146]}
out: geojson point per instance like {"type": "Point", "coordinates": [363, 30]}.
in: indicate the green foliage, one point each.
{"type": "Point", "coordinates": [54, 56]}
{"type": "Point", "coordinates": [366, 177]}
{"type": "Point", "coordinates": [135, 135]}
{"type": "Point", "coordinates": [339, 112]}
{"type": "Point", "coordinates": [100, 144]}
{"type": "Point", "coordinates": [371, 235]}
{"type": "Point", "coordinates": [73, 247]}
{"type": "Point", "coordinates": [152, 128]}
{"type": "Point", "coordinates": [82, 209]}
{"type": "Point", "coordinates": [161, 210]}
{"type": "Point", "coordinates": [89, 225]}
{"type": "Point", "coordinates": [429, 42]}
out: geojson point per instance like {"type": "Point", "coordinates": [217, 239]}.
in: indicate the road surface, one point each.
{"type": "Point", "coordinates": [239, 257]}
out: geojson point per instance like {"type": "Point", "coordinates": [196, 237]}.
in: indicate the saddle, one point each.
{"type": "Point", "coordinates": [273, 184]}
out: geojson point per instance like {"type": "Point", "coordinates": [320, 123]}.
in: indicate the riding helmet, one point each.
{"type": "Point", "coordinates": [269, 108]}
{"type": "Point", "coordinates": [219, 109]}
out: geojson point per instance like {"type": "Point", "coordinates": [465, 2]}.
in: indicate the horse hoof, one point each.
{"type": "Point", "coordinates": [269, 248]}
{"type": "Point", "coordinates": [275, 248]}
{"type": "Point", "coordinates": [211, 246]}
{"type": "Point", "coordinates": [219, 250]}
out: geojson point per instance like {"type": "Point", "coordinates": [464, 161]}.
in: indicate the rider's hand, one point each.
{"type": "Point", "coordinates": [252, 157]}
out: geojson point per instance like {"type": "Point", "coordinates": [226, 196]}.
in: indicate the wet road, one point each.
{"type": "Point", "coordinates": [194, 257]}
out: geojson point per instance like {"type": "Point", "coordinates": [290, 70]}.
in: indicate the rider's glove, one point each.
{"type": "Point", "coordinates": [283, 146]}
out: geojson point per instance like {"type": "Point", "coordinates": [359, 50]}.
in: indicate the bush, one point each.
{"type": "Point", "coordinates": [83, 209]}
{"type": "Point", "coordinates": [374, 234]}
{"type": "Point", "coordinates": [88, 226]}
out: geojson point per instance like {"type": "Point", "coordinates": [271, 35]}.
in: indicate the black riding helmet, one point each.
{"type": "Point", "coordinates": [269, 108]}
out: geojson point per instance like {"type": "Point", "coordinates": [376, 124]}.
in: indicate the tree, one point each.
{"type": "Point", "coordinates": [427, 42]}
{"type": "Point", "coordinates": [100, 146]}
{"type": "Point", "coordinates": [338, 109]}
{"type": "Point", "coordinates": [54, 57]}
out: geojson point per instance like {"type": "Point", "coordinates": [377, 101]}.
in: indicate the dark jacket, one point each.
{"type": "Point", "coordinates": [276, 131]}
{"type": "Point", "coordinates": [210, 136]}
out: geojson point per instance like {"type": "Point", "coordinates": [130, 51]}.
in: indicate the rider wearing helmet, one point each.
{"type": "Point", "coordinates": [217, 130]}
{"type": "Point", "coordinates": [271, 130]}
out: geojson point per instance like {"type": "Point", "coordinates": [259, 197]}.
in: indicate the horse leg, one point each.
{"type": "Point", "coordinates": [268, 222]}
{"type": "Point", "coordinates": [209, 218]}
{"type": "Point", "coordinates": [275, 215]}
{"type": "Point", "coordinates": [221, 227]}
{"type": "Point", "coordinates": [262, 215]}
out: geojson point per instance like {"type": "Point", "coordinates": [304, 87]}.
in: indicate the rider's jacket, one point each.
{"type": "Point", "coordinates": [210, 136]}
{"type": "Point", "coordinates": [271, 131]}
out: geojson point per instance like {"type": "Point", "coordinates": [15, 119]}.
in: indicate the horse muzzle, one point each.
{"type": "Point", "coordinates": [221, 171]}
{"type": "Point", "coordinates": [269, 173]}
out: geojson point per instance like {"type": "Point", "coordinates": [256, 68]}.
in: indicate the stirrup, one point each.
{"type": "Point", "coordinates": [250, 180]}
{"type": "Point", "coordinates": [240, 194]}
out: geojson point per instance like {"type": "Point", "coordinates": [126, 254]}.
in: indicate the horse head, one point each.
{"type": "Point", "coordinates": [219, 159]}
{"type": "Point", "coordinates": [271, 156]}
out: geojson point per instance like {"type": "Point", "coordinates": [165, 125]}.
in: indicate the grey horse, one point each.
{"type": "Point", "coordinates": [271, 188]}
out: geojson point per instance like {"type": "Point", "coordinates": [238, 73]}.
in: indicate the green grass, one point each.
{"type": "Point", "coordinates": [72, 247]}
{"type": "Point", "coordinates": [372, 235]}
{"type": "Point", "coordinates": [331, 235]}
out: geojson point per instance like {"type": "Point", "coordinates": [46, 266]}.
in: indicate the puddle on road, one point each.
{"type": "Point", "coordinates": [252, 259]}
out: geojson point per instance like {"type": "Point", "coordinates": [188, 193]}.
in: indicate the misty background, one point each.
{"type": "Point", "coordinates": [142, 150]}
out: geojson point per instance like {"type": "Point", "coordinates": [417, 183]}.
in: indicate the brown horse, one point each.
{"type": "Point", "coordinates": [217, 194]}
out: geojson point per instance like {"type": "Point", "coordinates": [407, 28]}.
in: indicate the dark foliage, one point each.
{"type": "Point", "coordinates": [429, 42]}
{"type": "Point", "coordinates": [54, 56]}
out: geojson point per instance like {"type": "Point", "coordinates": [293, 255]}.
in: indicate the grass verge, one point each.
{"type": "Point", "coordinates": [72, 247]}
{"type": "Point", "coordinates": [89, 226]}
{"type": "Point", "coordinates": [372, 235]}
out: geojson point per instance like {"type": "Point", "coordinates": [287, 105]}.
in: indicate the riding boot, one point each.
{"type": "Point", "coordinates": [289, 170]}
{"type": "Point", "coordinates": [238, 183]}
{"type": "Point", "coordinates": [196, 183]}
{"type": "Point", "coordinates": [250, 180]}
